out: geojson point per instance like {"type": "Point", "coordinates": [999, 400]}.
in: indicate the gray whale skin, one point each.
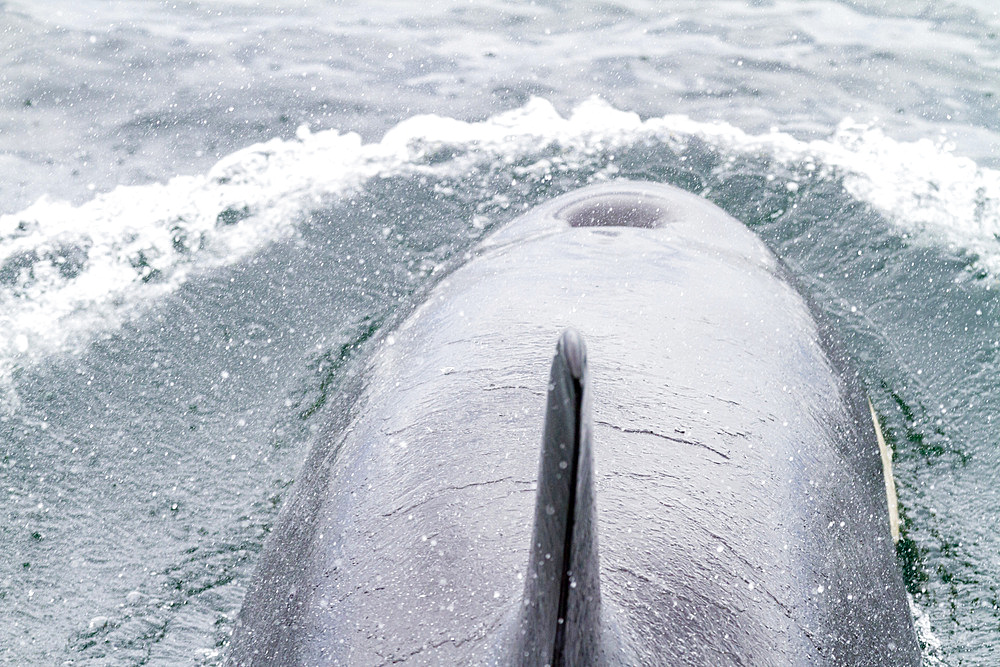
{"type": "Point", "coordinates": [710, 489]}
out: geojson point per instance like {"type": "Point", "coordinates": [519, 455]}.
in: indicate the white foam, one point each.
{"type": "Point", "coordinates": [931, 195]}
{"type": "Point", "coordinates": [135, 244]}
{"type": "Point", "coordinates": [929, 643]}
{"type": "Point", "coordinates": [80, 271]}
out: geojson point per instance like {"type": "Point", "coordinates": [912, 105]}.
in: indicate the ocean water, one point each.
{"type": "Point", "coordinates": [209, 209]}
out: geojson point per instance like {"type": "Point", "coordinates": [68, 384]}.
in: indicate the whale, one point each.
{"type": "Point", "coordinates": [619, 433]}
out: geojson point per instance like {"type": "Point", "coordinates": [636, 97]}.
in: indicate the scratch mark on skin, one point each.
{"type": "Point", "coordinates": [759, 576]}
{"type": "Point", "coordinates": [682, 441]}
{"type": "Point", "coordinates": [477, 637]}
{"type": "Point", "coordinates": [724, 400]}
{"type": "Point", "coordinates": [782, 607]}
{"type": "Point", "coordinates": [438, 492]}
{"type": "Point", "coordinates": [496, 387]}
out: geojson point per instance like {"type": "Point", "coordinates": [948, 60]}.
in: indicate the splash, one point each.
{"type": "Point", "coordinates": [68, 274]}
{"type": "Point", "coordinates": [929, 643]}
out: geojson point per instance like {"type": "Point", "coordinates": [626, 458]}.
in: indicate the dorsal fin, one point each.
{"type": "Point", "coordinates": [560, 617]}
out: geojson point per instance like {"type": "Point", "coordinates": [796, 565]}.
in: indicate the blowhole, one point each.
{"type": "Point", "coordinates": [616, 211]}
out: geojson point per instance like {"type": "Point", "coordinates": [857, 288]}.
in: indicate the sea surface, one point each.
{"type": "Point", "coordinates": [210, 209]}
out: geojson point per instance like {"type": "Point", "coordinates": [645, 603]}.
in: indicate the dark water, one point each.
{"type": "Point", "coordinates": [168, 350]}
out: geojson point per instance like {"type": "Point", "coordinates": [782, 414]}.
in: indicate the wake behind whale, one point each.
{"type": "Point", "coordinates": [710, 488]}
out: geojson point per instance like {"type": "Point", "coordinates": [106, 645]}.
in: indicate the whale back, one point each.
{"type": "Point", "coordinates": [737, 488]}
